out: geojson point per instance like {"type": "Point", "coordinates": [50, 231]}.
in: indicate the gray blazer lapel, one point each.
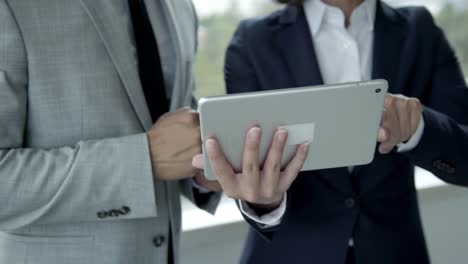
{"type": "Point", "coordinates": [105, 16]}
{"type": "Point", "coordinates": [179, 89]}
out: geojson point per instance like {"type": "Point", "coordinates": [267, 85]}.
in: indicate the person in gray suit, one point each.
{"type": "Point", "coordinates": [95, 145]}
{"type": "Point", "coordinates": [89, 172]}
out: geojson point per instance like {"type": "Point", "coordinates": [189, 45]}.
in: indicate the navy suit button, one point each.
{"type": "Point", "coordinates": [451, 170]}
{"type": "Point", "coordinates": [444, 166]}
{"type": "Point", "coordinates": [437, 164]}
{"type": "Point", "coordinates": [350, 203]}
{"type": "Point", "coordinates": [158, 241]}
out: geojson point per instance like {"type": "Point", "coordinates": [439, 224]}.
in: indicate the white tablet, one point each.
{"type": "Point", "coordinates": [340, 121]}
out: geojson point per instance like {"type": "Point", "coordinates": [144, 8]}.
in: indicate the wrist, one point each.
{"type": "Point", "coordinates": [265, 208]}
{"type": "Point", "coordinates": [151, 154]}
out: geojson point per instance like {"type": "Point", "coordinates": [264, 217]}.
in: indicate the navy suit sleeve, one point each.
{"type": "Point", "coordinates": [240, 77]}
{"type": "Point", "coordinates": [239, 72]}
{"type": "Point", "coordinates": [443, 149]}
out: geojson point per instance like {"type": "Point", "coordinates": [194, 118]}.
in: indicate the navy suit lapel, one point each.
{"type": "Point", "coordinates": [293, 40]}
{"type": "Point", "coordinates": [389, 35]}
{"type": "Point", "coordinates": [389, 38]}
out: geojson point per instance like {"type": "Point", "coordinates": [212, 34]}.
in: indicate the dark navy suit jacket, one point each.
{"type": "Point", "coordinates": [381, 210]}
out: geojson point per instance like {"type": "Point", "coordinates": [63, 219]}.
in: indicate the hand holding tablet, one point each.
{"type": "Point", "coordinates": [340, 122]}
{"type": "Point", "coordinates": [264, 188]}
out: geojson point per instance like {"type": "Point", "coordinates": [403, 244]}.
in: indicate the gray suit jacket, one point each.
{"type": "Point", "coordinates": [76, 183]}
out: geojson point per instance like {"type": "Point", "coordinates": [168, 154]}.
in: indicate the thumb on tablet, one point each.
{"type": "Point", "coordinates": [383, 135]}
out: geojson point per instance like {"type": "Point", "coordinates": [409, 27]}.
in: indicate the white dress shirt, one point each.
{"type": "Point", "coordinates": [344, 55]}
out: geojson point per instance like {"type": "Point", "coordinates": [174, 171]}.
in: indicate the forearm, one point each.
{"type": "Point", "coordinates": [75, 184]}
{"type": "Point", "coordinates": [443, 149]}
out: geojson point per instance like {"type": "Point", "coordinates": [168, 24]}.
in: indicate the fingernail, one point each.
{"type": "Point", "coordinates": [382, 134]}
{"type": "Point", "coordinates": [254, 134]}
{"type": "Point", "coordinates": [210, 144]}
{"type": "Point", "coordinates": [281, 135]}
{"type": "Point", "coordinates": [306, 146]}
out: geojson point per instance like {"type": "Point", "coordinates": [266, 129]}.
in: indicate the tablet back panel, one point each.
{"type": "Point", "coordinates": [341, 122]}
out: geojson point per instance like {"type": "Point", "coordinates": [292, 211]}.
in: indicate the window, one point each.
{"type": "Point", "coordinates": [218, 20]}
{"type": "Point", "coordinates": [452, 16]}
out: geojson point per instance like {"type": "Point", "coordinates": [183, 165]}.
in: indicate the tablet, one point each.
{"type": "Point", "coordinates": [340, 121]}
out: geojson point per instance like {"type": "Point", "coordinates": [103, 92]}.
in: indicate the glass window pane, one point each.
{"type": "Point", "coordinates": [218, 20]}
{"type": "Point", "coordinates": [452, 16]}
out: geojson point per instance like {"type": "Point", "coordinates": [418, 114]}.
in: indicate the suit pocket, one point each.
{"type": "Point", "coordinates": [46, 250]}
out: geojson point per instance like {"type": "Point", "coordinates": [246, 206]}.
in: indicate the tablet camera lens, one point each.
{"type": "Point", "coordinates": [378, 90]}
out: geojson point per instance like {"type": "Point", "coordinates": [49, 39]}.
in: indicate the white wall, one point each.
{"type": "Point", "coordinates": [445, 217]}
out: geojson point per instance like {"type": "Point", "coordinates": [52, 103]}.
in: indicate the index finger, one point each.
{"type": "Point", "coordinates": [188, 116]}
{"type": "Point", "coordinates": [221, 168]}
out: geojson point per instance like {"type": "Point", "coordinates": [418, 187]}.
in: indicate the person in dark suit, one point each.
{"type": "Point", "coordinates": [366, 214]}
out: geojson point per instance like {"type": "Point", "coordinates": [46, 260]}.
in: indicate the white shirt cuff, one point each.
{"type": "Point", "coordinates": [414, 140]}
{"type": "Point", "coordinates": [268, 220]}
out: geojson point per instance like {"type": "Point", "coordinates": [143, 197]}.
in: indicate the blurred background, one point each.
{"type": "Point", "coordinates": [219, 239]}
{"type": "Point", "coordinates": [219, 19]}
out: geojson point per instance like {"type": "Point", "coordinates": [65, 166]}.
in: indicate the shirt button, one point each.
{"type": "Point", "coordinates": [350, 203]}
{"type": "Point", "coordinates": [158, 241]}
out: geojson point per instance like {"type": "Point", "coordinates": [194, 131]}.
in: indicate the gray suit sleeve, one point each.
{"type": "Point", "coordinates": [68, 184]}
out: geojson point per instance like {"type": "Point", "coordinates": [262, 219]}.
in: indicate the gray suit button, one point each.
{"type": "Point", "coordinates": [126, 210]}
{"type": "Point", "coordinates": [102, 215]}
{"type": "Point", "coordinates": [350, 203]}
{"type": "Point", "coordinates": [158, 241]}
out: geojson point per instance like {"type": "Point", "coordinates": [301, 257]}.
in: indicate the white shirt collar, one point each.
{"type": "Point", "coordinates": [318, 12]}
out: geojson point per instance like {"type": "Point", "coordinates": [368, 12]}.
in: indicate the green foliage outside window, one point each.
{"type": "Point", "coordinates": [455, 24]}
{"type": "Point", "coordinates": [217, 30]}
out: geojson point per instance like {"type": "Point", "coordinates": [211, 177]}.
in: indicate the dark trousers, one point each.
{"type": "Point", "coordinates": [350, 257]}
